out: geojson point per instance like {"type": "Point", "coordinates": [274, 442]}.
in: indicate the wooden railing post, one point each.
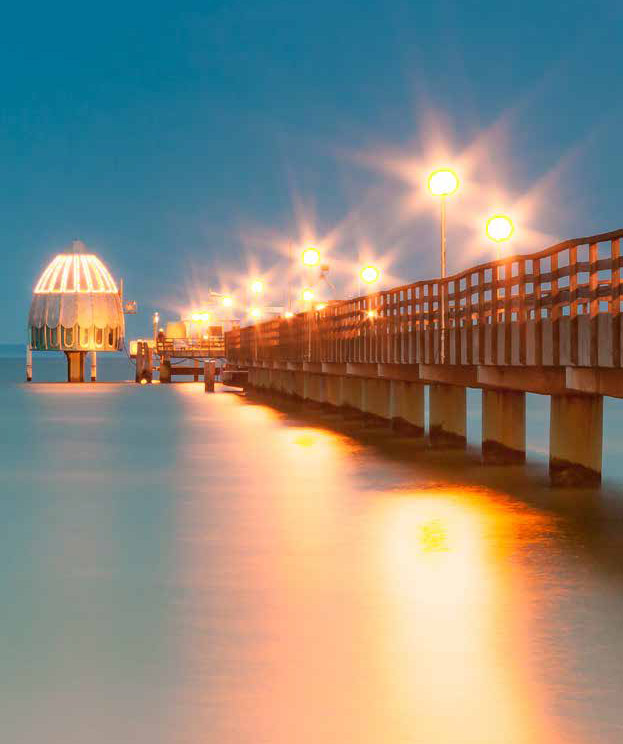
{"type": "Point", "coordinates": [538, 318]}
{"type": "Point", "coordinates": [555, 310]}
{"type": "Point", "coordinates": [615, 302]}
{"type": "Point", "coordinates": [593, 281]}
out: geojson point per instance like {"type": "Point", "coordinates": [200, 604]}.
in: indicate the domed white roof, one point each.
{"type": "Point", "coordinates": [76, 292]}
{"type": "Point", "coordinates": [76, 274]}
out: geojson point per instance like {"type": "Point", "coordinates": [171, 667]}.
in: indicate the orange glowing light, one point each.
{"type": "Point", "coordinates": [311, 256]}
{"type": "Point", "coordinates": [200, 317]}
{"type": "Point", "coordinates": [227, 301]}
{"type": "Point", "coordinates": [257, 287]}
{"type": "Point", "coordinates": [443, 182]}
{"type": "Point", "coordinates": [255, 312]}
{"type": "Point", "coordinates": [321, 306]}
{"type": "Point", "coordinates": [76, 274]}
{"type": "Point", "coordinates": [288, 314]}
{"type": "Point", "coordinates": [370, 274]}
{"type": "Point", "coordinates": [371, 313]}
{"type": "Point", "coordinates": [307, 295]}
{"type": "Point", "coordinates": [500, 228]}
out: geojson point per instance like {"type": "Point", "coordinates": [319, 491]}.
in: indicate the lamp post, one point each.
{"type": "Point", "coordinates": [156, 320]}
{"type": "Point", "coordinates": [499, 229]}
{"type": "Point", "coordinates": [369, 275]}
{"type": "Point", "coordinates": [443, 183]}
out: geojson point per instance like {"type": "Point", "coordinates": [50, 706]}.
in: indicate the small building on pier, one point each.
{"type": "Point", "coordinates": [76, 308]}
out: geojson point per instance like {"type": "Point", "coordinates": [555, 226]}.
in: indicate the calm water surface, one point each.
{"type": "Point", "coordinates": [182, 568]}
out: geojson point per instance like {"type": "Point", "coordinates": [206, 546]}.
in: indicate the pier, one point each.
{"type": "Point", "coordinates": [547, 322]}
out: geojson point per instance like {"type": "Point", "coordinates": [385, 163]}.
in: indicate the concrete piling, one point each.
{"type": "Point", "coordinates": [165, 371]}
{"type": "Point", "coordinates": [144, 364]}
{"type": "Point", "coordinates": [93, 359]}
{"type": "Point", "coordinates": [503, 426]}
{"type": "Point", "coordinates": [376, 400]}
{"type": "Point", "coordinates": [75, 366]}
{"type": "Point", "coordinates": [28, 363]}
{"type": "Point", "coordinates": [407, 408]}
{"type": "Point", "coordinates": [447, 416]}
{"type": "Point", "coordinates": [209, 369]}
{"type": "Point", "coordinates": [575, 439]}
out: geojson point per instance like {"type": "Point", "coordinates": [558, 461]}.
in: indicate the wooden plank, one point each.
{"type": "Point", "coordinates": [594, 303]}
{"type": "Point", "coordinates": [573, 307]}
{"type": "Point", "coordinates": [615, 301]}
{"type": "Point", "coordinates": [538, 320]}
{"type": "Point", "coordinates": [555, 311]}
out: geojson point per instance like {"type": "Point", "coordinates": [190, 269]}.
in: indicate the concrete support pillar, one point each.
{"type": "Point", "coordinates": [75, 366]}
{"type": "Point", "coordinates": [333, 390]}
{"type": "Point", "coordinates": [197, 367]}
{"type": "Point", "coordinates": [376, 399]}
{"type": "Point", "coordinates": [503, 426]}
{"type": "Point", "coordinates": [299, 384]}
{"type": "Point", "coordinates": [209, 370]}
{"type": "Point", "coordinates": [352, 393]}
{"type": "Point", "coordinates": [144, 364]}
{"type": "Point", "coordinates": [447, 416]}
{"type": "Point", "coordinates": [288, 385]}
{"type": "Point", "coordinates": [28, 363]}
{"type": "Point", "coordinates": [407, 407]}
{"type": "Point", "coordinates": [575, 439]}
{"type": "Point", "coordinates": [93, 356]}
{"type": "Point", "coordinates": [165, 371]}
{"type": "Point", "coordinates": [314, 387]}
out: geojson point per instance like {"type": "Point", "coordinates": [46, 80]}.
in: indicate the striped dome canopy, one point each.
{"type": "Point", "coordinates": [76, 305]}
{"type": "Point", "coordinates": [77, 273]}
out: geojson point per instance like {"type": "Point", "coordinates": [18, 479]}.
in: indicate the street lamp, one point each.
{"type": "Point", "coordinates": [443, 183]}
{"type": "Point", "coordinates": [500, 228]}
{"type": "Point", "coordinates": [307, 295]}
{"type": "Point", "coordinates": [311, 256]}
{"type": "Point", "coordinates": [257, 287]}
{"type": "Point", "coordinates": [255, 312]}
{"type": "Point", "coordinates": [370, 274]}
{"type": "Point", "coordinates": [227, 301]}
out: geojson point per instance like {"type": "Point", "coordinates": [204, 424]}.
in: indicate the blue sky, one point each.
{"type": "Point", "coordinates": [179, 139]}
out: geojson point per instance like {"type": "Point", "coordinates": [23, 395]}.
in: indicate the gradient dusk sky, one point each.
{"type": "Point", "coordinates": [178, 139]}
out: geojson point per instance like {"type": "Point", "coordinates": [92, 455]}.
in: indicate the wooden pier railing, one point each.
{"type": "Point", "coordinates": [558, 307]}
{"type": "Point", "coordinates": [548, 322]}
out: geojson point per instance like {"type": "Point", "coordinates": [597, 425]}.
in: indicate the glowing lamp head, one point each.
{"type": "Point", "coordinates": [371, 313]}
{"type": "Point", "coordinates": [321, 306]}
{"type": "Point", "coordinates": [443, 182]}
{"type": "Point", "coordinates": [200, 317]}
{"type": "Point", "coordinates": [257, 287]}
{"type": "Point", "coordinates": [308, 295]}
{"type": "Point", "coordinates": [288, 314]}
{"type": "Point", "coordinates": [369, 274]}
{"type": "Point", "coordinates": [227, 301]}
{"type": "Point", "coordinates": [311, 256]}
{"type": "Point", "coordinates": [255, 313]}
{"type": "Point", "coordinates": [500, 228]}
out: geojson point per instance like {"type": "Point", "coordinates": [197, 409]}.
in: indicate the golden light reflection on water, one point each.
{"type": "Point", "coordinates": [321, 609]}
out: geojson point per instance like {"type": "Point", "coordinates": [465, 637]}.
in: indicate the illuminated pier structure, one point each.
{"type": "Point", "coordinates": [547, 322]}
{"type": "Point", "coordinates": [76, 308]}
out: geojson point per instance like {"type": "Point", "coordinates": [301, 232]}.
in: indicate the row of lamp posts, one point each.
{"type": "Point", "coordinates": [499, 228]}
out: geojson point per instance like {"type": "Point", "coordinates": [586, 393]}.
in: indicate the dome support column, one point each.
{"type": "Point", "coordinates": [29, 363]}
{"type": "Point", "coordinates": [75, 365]}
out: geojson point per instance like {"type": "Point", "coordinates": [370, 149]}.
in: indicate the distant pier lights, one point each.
{"type": "Point", "coordinates": [76, 308]}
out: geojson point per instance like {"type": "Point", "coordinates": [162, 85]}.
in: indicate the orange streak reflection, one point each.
{"type": "Point", "coordinates": [319, 607]}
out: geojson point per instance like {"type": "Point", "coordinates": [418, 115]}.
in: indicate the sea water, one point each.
{"type": "Point", "coordinates": [183, 568]}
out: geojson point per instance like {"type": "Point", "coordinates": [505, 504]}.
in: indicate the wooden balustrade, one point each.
{"type": "Point", "coordinates": [557, 307]}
